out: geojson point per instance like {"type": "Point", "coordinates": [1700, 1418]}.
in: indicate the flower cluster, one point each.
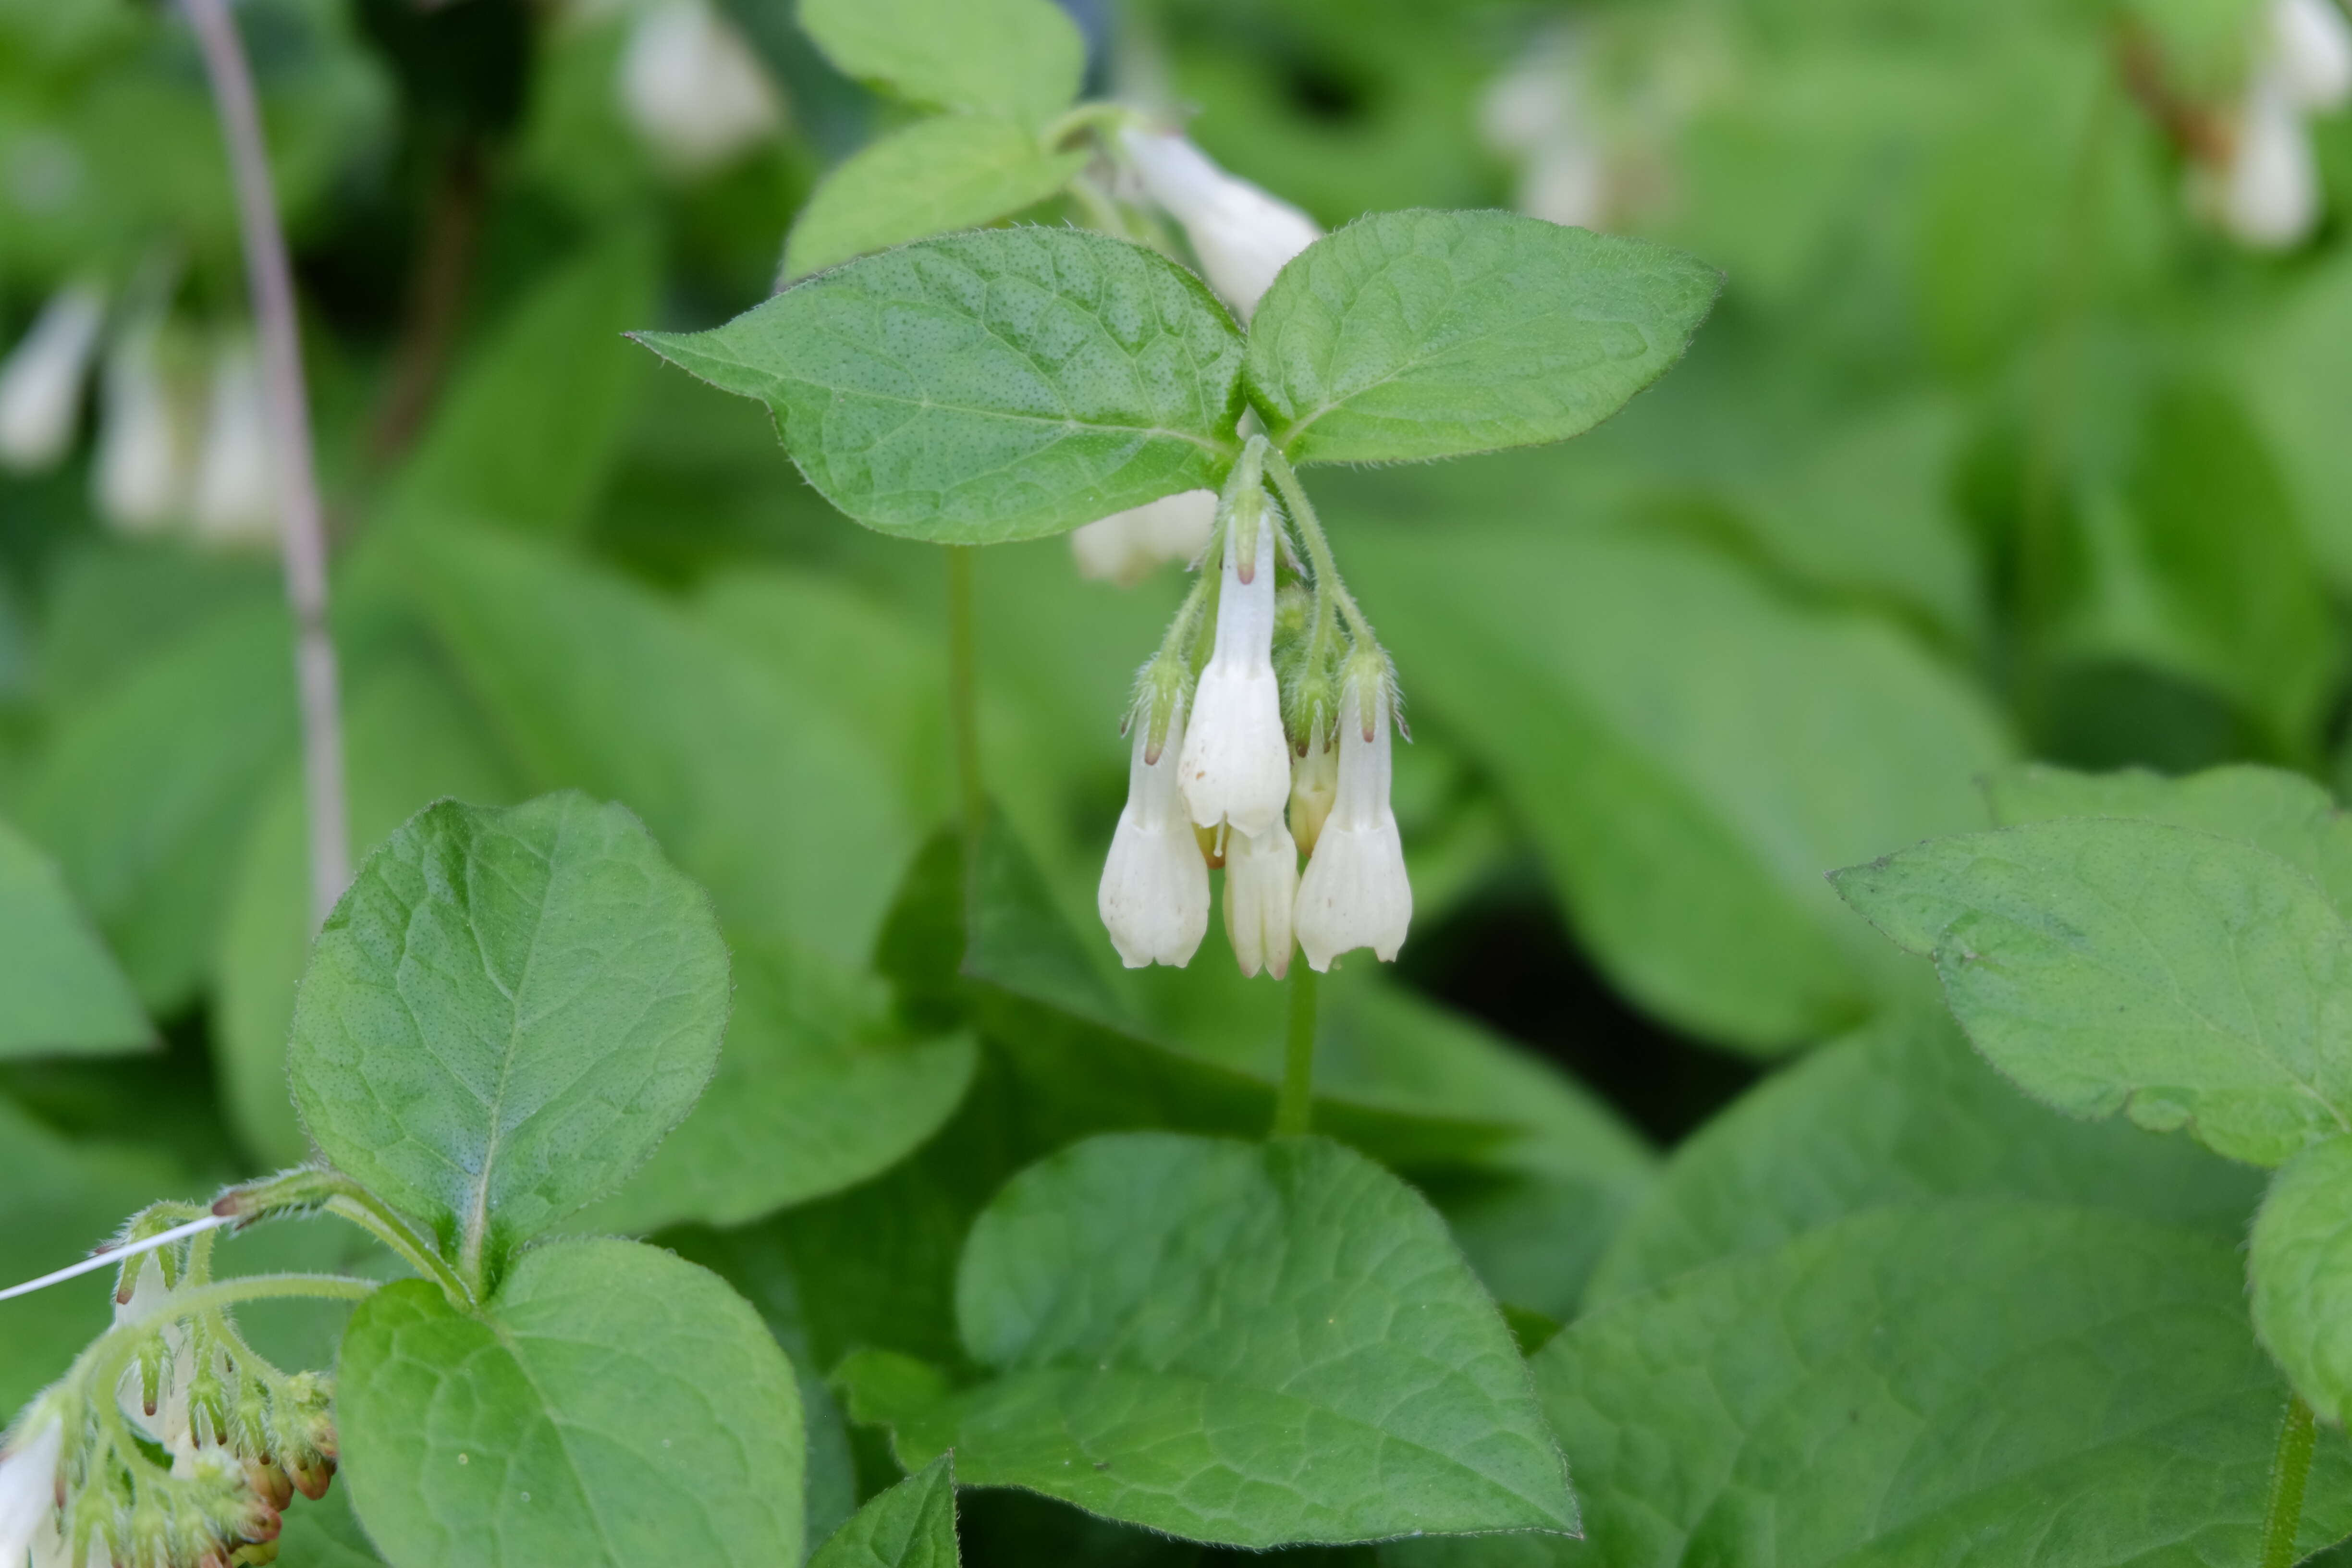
{"type": "Point", "coordinates": [1261, 730]}
{"type": "Point", "coordinates": [2269, 192]}
{"type": "Point", "coordinates": [79, 1480]}
{"type": "Point", "coordinates": [184, 433]}
{"type": "Point", "coordinates": [1242, 236]}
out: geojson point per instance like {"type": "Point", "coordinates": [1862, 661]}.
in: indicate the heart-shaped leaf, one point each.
{"type": "Point", "coordinates": [504, 1015]}
{"type": "Point", "coordinates": [611, 1406]}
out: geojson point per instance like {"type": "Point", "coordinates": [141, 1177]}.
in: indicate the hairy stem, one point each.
{"type": "Point", "coordinates": [963, 701]}
{"type": "Point", "coordinates": [331, 1192]}
{"type": "Point", "coordinates": [2289, 1470]}
{"type": "Point", "coordinates": [1318, 547]}
{"type": "Point", "coordinates": [1294, 1106]}
{"type": "Point", "coordinates": [270, 277]}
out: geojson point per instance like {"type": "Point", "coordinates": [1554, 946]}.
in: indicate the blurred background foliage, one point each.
{"type": "Point", "coordinates": [2004, 442]}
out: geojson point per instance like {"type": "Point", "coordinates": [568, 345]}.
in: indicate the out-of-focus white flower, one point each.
{"type": "Point", "coordinates": [1261, 887]}
{"type": "Point", "coordinates": [140, 478]}
{"type": "Point", "coordinates": [2310, 45]}
{"type": "Point", "coordinates": [2271, 192]}
{"type": "Point", "coordinates": [1128, 546]}
{"type": "Point", "coordinates": [1354, 892]}
{"type": "Point", "coordinates": [1237, 762]}
{"type": "Point", "coordinates": [28, 1488]}
{"type": "Point", "coordinates": [40, 384]}
{"type": "Point", "coordinates": [237, 484]}
{"type": "Point", "coordinates": [1531, 114]}
{"type": "Point", "coordinates": [1314, 785]}
{"type": "Point", "coordinates": [1154, 897]}
{"type": "Point", "coordinates": [693, 88]}
{"type": "Point", "coordinates": [168, 1423]}
{"type": "Point", "coordinates": [1242, 235]}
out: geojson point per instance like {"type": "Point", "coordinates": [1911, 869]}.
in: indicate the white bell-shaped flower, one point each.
{"type": "Point", "coordinates": [237, 484]}
{"type": "Point", "coordinates": [1314, 785]}
{"type": "Point", "coordinates": [40, 384]}
{"type": "Point", "coordinates": [693, 88]}
{"type": "Point", "coordinates": [28, 1485]}
{"type": "Point", "coordinates": [1354, 892]}
{"type": "Point", "coordinates": [1261, 887]}
{"type": "Point", "coordinates": [1237, 762]}
{"type": "Point", "coordinates": [1532, 113]}
{"type": "Point", "coordinates": [2271, 192]}
{"type": "Point", "coordinates": [2310, 48]}
{"type": "Point", "coordinates": [1128, 546]}
{"type": "Point", "coordinates": [140, 475]}
{"type": "Point", "coordinates": [1242, 235]}
{"type": "Point", "coordinates": [1154, 897]}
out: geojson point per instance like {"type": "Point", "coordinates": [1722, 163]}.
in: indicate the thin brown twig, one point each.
{"type": "Point", "coordinates": [303, 535]}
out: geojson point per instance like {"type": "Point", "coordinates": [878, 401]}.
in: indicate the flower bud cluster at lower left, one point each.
{"type": "Point", "coordinates": [171, 1443]}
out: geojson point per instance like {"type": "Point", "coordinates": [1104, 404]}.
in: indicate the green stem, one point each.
{"type": "Point", "coordinates": [964, 699]}
{"type": "Point", "coordinates": [1318, 548]}
{"type": "Point", "coordinates": [1294, 1107]}
{"type": "Point", "coordinates": [331, 1192]}
{"type": "Point", "coordinates": [2289, 1470]}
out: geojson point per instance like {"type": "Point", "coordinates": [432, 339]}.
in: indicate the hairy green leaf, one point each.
{"type": "Point", "coordinates": [1411, 335]}
{"type": "Point", "coordinates": [1901, 1112]}
{"type": "Point", "coordinates": [61, 992]}
{"type": "Point", "coordinates": [817, 1090]}
{"type": "Point", "coordinates": [504, 1015]}
{"type": "Point", "coordinates": [2106, 965]}
{"type": "Point", "coordinates": [2300, 1267]}
{"type": "Point", "coordinates": [612, 1406]}
{"type": "Point", "coordinates": [1023, 58]}
{"type": "Point", "coordinates": [912, 1525]}
{"type": "Point", "coordinates": [989, 386]}
{"type": "Point", "coordinates": [1245, 1344]}
{"type": "Point", "coordinates": [1980, 1383]}
{"type": "Point", "coordinates": [958, 170]}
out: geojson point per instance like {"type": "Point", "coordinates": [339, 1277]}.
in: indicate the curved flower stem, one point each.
{"type": "Point", "coordinates": [303, 533]}
{"type": "Point", "coordinates": [2289, 1470]}
{"type": "Point", "coordinates": [1294, 1106]}
{"type": "Point", "coordinates": [331, 1192]}
{"type": "Point", "coordinates": [1318, 547]}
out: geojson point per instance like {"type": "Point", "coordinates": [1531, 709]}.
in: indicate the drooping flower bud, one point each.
{"type": "Point", "coordinates": [236, 486]}
{"type": "Point", "coordinates": [1154, 897]}
{"type": "Point", "coordinates": [1236, 763]}
{"type": "Point", "coordinates": [1354, 892]}
{"type": "Point", "coordinates": [28, 1485]}
{"type": "Point", "coordinates": [40, 384]}
{"type": "Point", "coordinates": [1128, 546]}
{"type": "Point", "coordinates": [140, 477]}
{"type": "Point", "coordinates": [1261, 887]}
{"type": "Point", "coordinates": [1241, 235]}
{"type": "Point", "coordinates": [2271, 191]}
{"type": "Point", "coordinates": [1314, 785]}
{"type": "Point", "coordinates": [2310, 46]}
{"type": "Point", "coordinates": [693, 88]}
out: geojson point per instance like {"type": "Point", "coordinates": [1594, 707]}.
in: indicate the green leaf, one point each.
{"type": "Point", "coordinates": [2294, 376]}
{"type": "Point", "coordinates": [613, 1407]}
{"type": "Point", "coordinates": [1968, 1384]}
{"type": "Point", "coordinates": [143, 795]}
{"type": "Point", "coordinates": [61, 992]}
{"type": "Point", "coordinates": [1689, 752]}
{"type": "Point", "coordinates": [506, 1013]}
{"type": "Point", "coordinates": [1901, 1112]}
{"type": "Point", "coordinates": [817, 1090]}
{"type": "Point", "coordinates": [958, 170]}
{"type": "Point", "coordinates": [1023, 58]}
{"type": "Point", "coordinates": [326, 1535]}
{"type": "Point", "coordinates": [410, 738]}
{"type": "Point", "coordinates": [1246, 1343]}
{"type": "Point", "coordinates": [2299, 1268]}
{"type": "Point", "coordinates": [912, 1525]}
{"type": "Point", "coordinates": [2270, 808]}
{"type": "Point", "coordinates": [526, 434]}
{"type": "Point", "coordinates": [780, 807]}
{"type": "Point", "coordinates": [2186, 979]}
{"type": "Point", "coordinates": [1411, 335]}
{"type": "Point", "coordinates": [991, 386]}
